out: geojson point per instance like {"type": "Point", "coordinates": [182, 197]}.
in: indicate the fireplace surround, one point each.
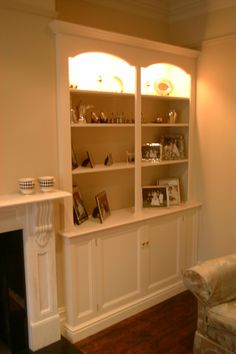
{"type": "Point", "coordinates": [34, 214]}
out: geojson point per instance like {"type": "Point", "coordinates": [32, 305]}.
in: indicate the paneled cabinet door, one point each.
{"type": "Point", "coordinates": [166, 251]}
{"type": "Point", "coordinates": [118, 267]}
{"type": "Point", "coordinates": [80, 278]}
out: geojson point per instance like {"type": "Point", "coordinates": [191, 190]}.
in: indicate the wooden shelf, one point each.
{"type": "Point", "coordinates": [163, 162]}
{"type": "Point", "coordinates": [124, 217]}
{"type": "Point", "coordinates": [94, 92]}
{"type": "Point", "coordinates": [101, 125]}
{"type": "Point", "coordinates": [153, 95]}
{"type": "Point", "coordinates": [166, 125]}
{"type": "Point", "coordinates": [102, 168]}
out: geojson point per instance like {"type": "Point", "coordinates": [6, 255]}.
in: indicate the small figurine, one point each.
{"type": "Point", "coordinates": [73, 116]}
{"type": "Point", "coordinates": [103, 118]}
{"type": "Point", "coordinates": [94, 118]}
{"type": "Point", "coordinates": [172, 115]}
{"type": "Point", "coordinates": [81, 113]}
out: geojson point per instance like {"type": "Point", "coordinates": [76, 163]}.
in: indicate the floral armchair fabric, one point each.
{"type": "Point", "coordinates": [213, 283]}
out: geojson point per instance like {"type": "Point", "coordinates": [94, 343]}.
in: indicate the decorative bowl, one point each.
{"type": "Point", "coordinates": [26, 185]}
{"type": "Point", "coordinates": [46, 183]}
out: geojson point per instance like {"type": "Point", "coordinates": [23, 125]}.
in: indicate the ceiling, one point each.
{"type": "Point", "coordinates": [166, 10]}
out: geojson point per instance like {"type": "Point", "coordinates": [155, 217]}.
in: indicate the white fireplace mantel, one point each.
{"type": "Point", "coordinates": [33, 214]}
{"type": "Point", "coordinates": [17, 199]}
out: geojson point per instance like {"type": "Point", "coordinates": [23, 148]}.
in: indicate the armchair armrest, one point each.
{"type": "Point", "coordinates": [214, 281]}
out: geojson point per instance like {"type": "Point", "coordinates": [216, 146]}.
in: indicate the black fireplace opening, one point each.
{"type": "Point", "coordinates": [13, 311]}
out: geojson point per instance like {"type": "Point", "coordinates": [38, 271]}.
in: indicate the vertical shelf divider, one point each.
{"type": "Point", "coordinates": [138, 139]}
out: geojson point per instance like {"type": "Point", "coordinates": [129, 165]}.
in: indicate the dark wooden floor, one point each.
{"type": "Point", "coordinates": [167, 328]}
{"type": "Point", "coordinates": [60, 347]}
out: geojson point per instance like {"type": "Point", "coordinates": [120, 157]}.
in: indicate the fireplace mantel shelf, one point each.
{"type": "Point", "coordinates": [17, 199]}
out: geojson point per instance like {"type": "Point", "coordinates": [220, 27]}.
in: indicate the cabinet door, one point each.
{"type": "Point", "coordinates": [164, 253]}
{"type": "Point", "coordinates": [80, 279]}
{"type": "Point", "coordinates": [118, 265]}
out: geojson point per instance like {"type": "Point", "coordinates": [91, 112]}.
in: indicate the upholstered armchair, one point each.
{"type": "Point", "coordinates": [213, 283]}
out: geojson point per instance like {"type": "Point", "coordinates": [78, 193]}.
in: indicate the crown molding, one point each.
{"type": "Point", "coordinates": [155, 9]}
{"type": "Point", "coordinates": [62, 28]}
{"type": "Point", "coordinates": [166, 10]}
{"type": "Point", "coordinates": [218, 40]}
{"type": "Point", "coordinates": [179, 10]}
{"type": "Point", "coordinates": [28, 7]}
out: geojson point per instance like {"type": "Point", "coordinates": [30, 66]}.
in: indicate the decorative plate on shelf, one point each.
{"type": "Point", "coordinates": [163, 87]}
{"type": "Point", "coordinates": [117, 84]}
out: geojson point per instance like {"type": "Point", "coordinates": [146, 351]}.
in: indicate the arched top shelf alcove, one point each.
{"type": "Point", "coordinates": [102, 72]}
{"type": "Point", "coordinates": [165, 79]}
{"type": "Point", "coordinates": [97, 71]}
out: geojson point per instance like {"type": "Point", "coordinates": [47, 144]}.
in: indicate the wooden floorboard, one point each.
{"type": "Point", "coordinates": [167, 328]}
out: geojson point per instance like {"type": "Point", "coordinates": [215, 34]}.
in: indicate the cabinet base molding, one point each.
{"type": "Point", "coordinates": [100, 322]}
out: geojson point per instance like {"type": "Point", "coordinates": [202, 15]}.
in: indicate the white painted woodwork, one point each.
{"type": "Point", "coordinates": [33, 215]}
{"type": "Point", "coordinates": [118, 268]}
{"type": "Point", "coordinates": [135, 258]}
{"type": "Point", "coordinates": [113, 274]}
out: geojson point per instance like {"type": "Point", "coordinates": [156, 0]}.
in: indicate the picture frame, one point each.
{"type": "Point", "coordinates": [88, 160]}
{"type": "Point", "coordinates": [108, 160]}
{"type": "Point", "coordinates": [173, 185]}
{"type": "Point", "coordinates": [173, 147]}
{"type": "Point", "coordinates": [73, 158]}
{"type": "Point", "coordinates": [91, 160]}
{"type": "Point", "coordinates": [103, 206]}
{"type": "Point", "coordinates": [155, 196]}
{"type": "Point", "coordinates": [151, 152]}
{"type": "Point", "coordinates": [79, 211]}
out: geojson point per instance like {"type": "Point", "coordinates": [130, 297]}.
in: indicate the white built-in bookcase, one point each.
{"type": "Point", "coordinates": [134, 98]}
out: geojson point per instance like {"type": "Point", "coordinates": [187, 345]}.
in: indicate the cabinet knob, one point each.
{"type": "Point", "coordinates": [145, 244]}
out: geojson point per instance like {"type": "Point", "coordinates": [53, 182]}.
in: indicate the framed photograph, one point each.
{"type": "Point", "coordinates": [108, 160]}
{"type": "Point", "coordinates": [152, 152]}
{"type": "Point", "coordinates": [172, 147]}
{"type": "Point", "coordinates": [173, 189]}
{"type": "Point", "coordinates": [155, 196]}
{"type": "Point", "coordinates": [74, 159]}
{"type": "Point", "coordinates": [79, 211]}
{"type": "Point", "coordinates": [88, 160]}
{"type": "Point", "coordinates": [103, 206]}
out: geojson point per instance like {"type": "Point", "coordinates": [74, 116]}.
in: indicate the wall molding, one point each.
{"type": "Point", "coordinates": [218, 40]}
{"type": "Point", "coordinates": [29, 8]}
{"type": "Point", "coordinates": [155, 9]}
{"type": "Point", "coordinates": [61, 27]}
{"type": "Point", "coordinates": [183, 9]}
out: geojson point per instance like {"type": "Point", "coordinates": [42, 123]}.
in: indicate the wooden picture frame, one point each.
{"type": "Point", "coordinates": [79, 211]}
{"type": "Point", "coordinates": [91, 160]}
{"type": "Point", "coordinates": [173, 189]}
{"type": "Point", "coordinates": [103, 206]}
{"type": "Point", "coordinates": [88, 160]}
{"type": "Point", "coordinates": [155, 196]}
{"type": "Point", "coordinates": [73, 158]}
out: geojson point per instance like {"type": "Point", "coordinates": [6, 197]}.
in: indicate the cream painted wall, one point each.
{"type": "Point", "coordinates": [28, 125]}
{"type": "Point", "coordinates": [215, 160]}
{"type": "Point", "coordinates": [28, 135]}
{"type": "Point", "coordinates": [216, 126]}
